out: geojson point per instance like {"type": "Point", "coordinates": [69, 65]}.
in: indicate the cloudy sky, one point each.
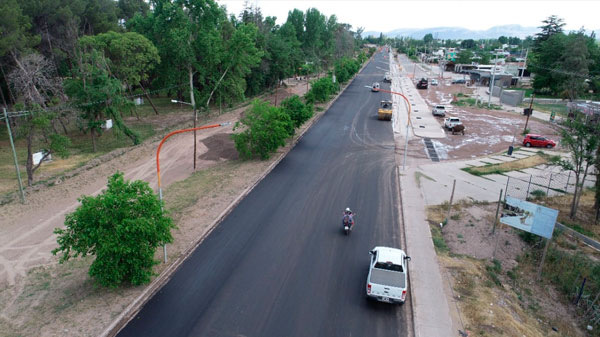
{"type": "Point", "coordinates": [387, 15]}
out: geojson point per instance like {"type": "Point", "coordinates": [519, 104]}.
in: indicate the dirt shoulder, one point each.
{"type": "Point", "coordinates": [493, 276]}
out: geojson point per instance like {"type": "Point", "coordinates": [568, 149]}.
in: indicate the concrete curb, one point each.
{"type": "Point", "coordinates": [121, 321]}
{"type": "Point", "coordinates": [412, 295]}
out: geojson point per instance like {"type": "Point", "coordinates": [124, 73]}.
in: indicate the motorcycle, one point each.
{"type": "Point", "coordinates": [348, 222]}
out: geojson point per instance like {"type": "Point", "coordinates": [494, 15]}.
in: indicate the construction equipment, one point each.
{"type": "Point", "coordinates": [385, 111]}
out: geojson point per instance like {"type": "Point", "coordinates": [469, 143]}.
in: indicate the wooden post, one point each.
{"type": "Point", "coordinates": [539, 273]}
{"type": "Point", "coordinates": [450, 204]}
{"type": "Point", "coordinates": [497, 211]}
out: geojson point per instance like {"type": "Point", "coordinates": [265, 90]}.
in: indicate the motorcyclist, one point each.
{"type": "Point", "coordinates": [348, 217]}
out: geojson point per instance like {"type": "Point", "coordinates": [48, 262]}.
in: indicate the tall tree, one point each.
{"type": "Point", "coordinates": [131, 56]}
{"type": "Point", "coordinates": [575, 65]}
{"type": "Point", "coordinates": [582, 139]}
{"type": "Point", "coordinates": [37, 88]}
{"type": "Point", "coordinates": [552, 25]}
{"type": "Point", "coordinates": [98, 95]}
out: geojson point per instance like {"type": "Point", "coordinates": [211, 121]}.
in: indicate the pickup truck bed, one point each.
{"type": "Point", "coordinates": [387, 278]}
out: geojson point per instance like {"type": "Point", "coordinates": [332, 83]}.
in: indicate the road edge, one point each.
{"type": "Point", "coordinates": [132, 309]}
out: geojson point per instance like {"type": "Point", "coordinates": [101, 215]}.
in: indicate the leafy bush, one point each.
{"type": "Point", "coordinates": [122, 226]}
{"type": "Point", "coordinates": [267, 128]}
{"type": "Point", "coordinates": [345, 68]}
{"type": "Point", "coordinates": [321, 90]}
{"type": "Point", "coordinates": [298, 111]}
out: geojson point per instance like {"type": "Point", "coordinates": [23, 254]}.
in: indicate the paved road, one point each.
{"type": "Point", "coordinates": [279, 264]}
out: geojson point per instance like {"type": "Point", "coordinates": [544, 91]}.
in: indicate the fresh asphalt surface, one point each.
{"type": "Point", "coordinates": [280, 264]}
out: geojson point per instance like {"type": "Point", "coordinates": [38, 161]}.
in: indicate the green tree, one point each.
{"type": "Point", "coordinates": [15, 36]}
{"type": "Point", "coordinates": [467, 44]}
{"type": "Point", "coordinates": [321, 90]}
{"type": "Point", "coordinates": [464, 57]}
{"type": "Point", "coordinates": [582, 139]}
{"type": "Point", "coordinates": [121, 227]}
{"type": "Point", "coordinates": [575, 64]}
{"type": "Point", "coordinates": [132, 56]}
{"type": "Point", "coordinates": [266, 128]}
{"type": "Point", "coordinates": [428, 38]}
{"type": "Point", "coordinates": [297, 110]}
{"type": "Point", "coordinates": [503, 39]}
{"type": "Point", "coordinates": [98, 96]}
{"type": "Point", "coordinates": [551, 26]}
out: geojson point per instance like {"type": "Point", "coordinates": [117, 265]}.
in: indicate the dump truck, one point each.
{"type": "Point", "coordinates": [385, 111]}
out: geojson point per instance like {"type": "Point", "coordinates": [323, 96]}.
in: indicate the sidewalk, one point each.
{"type": "Point", "coordinates": [432, 314]}
{"type": "Point", "coordinates": [422, 122]}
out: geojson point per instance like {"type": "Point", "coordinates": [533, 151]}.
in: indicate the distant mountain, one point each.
{"type": "Point", "coordinates": [461, 33]}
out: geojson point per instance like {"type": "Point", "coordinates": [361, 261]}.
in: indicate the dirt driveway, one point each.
{"type": "Point", "coordinates": [486, 131]}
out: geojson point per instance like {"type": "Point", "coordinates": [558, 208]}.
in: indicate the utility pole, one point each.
{"type": "Point", "coordinates": [12, 145]}
{"type": "Point", "coordinates": [493, 79]}
{"type": "Point", "coordinates": [529, 113]}
{"type": "Point", "coordinates": [524, 65]}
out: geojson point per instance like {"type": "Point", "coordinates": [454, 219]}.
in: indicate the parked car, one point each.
{"type": "Point", "coordinates": [375, 86]}
{"type": "Point", "coordinates": [387, 279]}
{"type": "Point", "coordinates": [422, 84]}
{"type": "Point", "coordinates": [451, 122]}
{"type": "Point", "coordinates": [434, 82]}
{"type": "Point", "coordinates": [439, 110]}
{"type": "Point", "coordinates": [538, 141]}
{"type": "Point", "coordinates": [459, 81]}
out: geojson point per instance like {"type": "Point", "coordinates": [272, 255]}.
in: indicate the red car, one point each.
{"type": "Point", "coordinates": [538, 141]}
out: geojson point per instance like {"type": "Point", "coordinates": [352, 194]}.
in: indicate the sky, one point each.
{"type": "Point", "coordinates": [387, 15]}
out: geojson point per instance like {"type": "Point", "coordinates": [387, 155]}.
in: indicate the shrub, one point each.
{"type": "Point", "coordinates": [122, 227]}
{"type": "Point", "coordinates": [298, 111]}
{"type": "Point", "coordinates": [321, 90]}
{"type": "Point", "coordinates": [267, 128]}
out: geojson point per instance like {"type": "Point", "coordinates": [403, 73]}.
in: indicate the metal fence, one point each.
{"type": "Point", "coordinates": [525, 186]}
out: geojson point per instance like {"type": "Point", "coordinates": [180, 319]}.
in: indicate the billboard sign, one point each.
{"type": "Point", "coordinates": [529, 217]}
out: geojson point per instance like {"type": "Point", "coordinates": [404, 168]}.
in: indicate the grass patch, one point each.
{"type": "Point", "coordinates": [183, 194]}
{"type": "Point", "coordinates": [472, 102]}
{"type": "Point", "coordinates": [501, 168]}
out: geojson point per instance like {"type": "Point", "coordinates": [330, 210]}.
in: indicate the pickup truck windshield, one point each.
{"type": "Point", "coordinates": [389, 266]}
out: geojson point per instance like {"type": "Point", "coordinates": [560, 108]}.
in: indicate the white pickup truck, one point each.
{"type": "Point", "coordinates": [451, 122]}
{"type": "Point", "coordinates": [387, 280]}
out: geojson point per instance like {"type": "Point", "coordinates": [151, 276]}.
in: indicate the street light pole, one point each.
{"type": "Point", "coordinates": [158, 159]}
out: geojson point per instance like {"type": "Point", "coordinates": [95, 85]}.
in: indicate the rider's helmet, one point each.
{"type": "Point", "coordinates": [348, 209]}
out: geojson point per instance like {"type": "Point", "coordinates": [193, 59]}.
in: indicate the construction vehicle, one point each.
{"type": "Point", "coordinates": [385, 111]}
